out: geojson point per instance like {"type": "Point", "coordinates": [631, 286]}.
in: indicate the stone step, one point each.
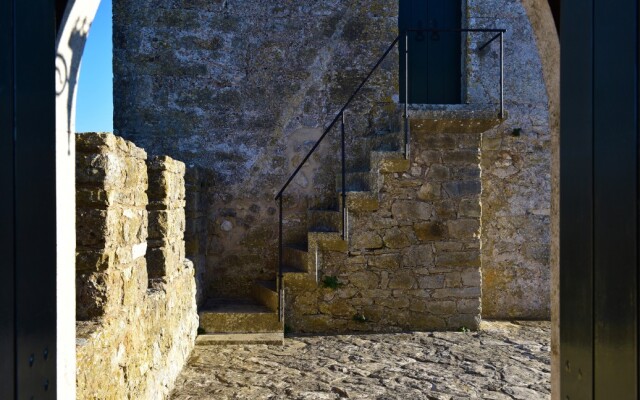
{"type": "Point", "coordinates": [361, 201]}
{"type": "Point", "coordinates": [223, 339]}
{"type": "Point", "coordinates": [266, 292]}
{"type": "Point", "coordinates": [386, 162]}
{"type": "Point", "coordinates": [331, 241]}
{"type": "Point", "coordinates": [358, 181]}
{"type": "Point", "coordinates": [296, 255]}
{"type": "Point", "coordinates": [322, 220]}
{"type": "Point", "coordinates": [222, 315]}
{"type": "Point", "coordinates": [384, 141]}
{"type": "Point", "coordinates": [292, 275]}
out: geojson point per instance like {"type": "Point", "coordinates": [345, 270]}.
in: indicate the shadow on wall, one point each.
{"type": "Point", "coordinates": [65, 79]}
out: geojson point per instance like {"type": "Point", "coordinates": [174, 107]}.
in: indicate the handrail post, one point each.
{"type": "Point", "coordinates": [279, 281]}
{"type": "Point", "coordinates": [344, 183]}
{"type": "Point", "coordinates": [406, 95]}
{"type": "Point", "coordinates": [501, 75]}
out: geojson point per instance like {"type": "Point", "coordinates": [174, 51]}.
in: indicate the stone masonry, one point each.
{"type": "Point", "coordinates": [413, 259]}
{"type": "Point", "coordinates": [516, 167]}
{"type": "Point", "coordinates": [136, 306]}
{"type": "Point", "coordinates": [242, 89]}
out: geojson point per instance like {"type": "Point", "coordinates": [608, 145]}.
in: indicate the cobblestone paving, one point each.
{"type": "Point", "coordinates": [502, 361]}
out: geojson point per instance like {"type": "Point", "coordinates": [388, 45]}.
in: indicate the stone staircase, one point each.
{"type": "Point", "coordinates": [255, 320]}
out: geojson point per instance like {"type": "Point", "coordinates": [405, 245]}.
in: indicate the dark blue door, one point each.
{"type": "Point", "coordinates": [434, 56]}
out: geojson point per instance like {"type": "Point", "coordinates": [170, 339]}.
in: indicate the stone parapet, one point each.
{"type": "Point", "coordinates": [134, 333]}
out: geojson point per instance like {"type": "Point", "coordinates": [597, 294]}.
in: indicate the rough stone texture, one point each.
{"type": "Point", "coordinates": [197, 188]}
{"type": "Point", "coordinates": [133, 334]}
{"type": "Point", "coordinates": [244, 88]}
{"type": "Point", "coordinates": [413, 263]}
{"type": "Point", "coordinates": [502, 361]}
{"type": "Point", "coordinates": [111, 183]}
{"type": "Point", "coordinates": [548, 42]}
{"type": "Point", "coordinates": [516, 166]}
{"type": "Point", "coordinates": [166, 216]}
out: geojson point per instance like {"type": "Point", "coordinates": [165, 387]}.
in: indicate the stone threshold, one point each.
{"type": "Point", "coordinates": [453, 118]}
{"type": "Point", "coordinates": [270, 338]}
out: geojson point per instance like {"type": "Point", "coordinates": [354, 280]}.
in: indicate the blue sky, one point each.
{"type": "Point", "coordinates": [94, 112]}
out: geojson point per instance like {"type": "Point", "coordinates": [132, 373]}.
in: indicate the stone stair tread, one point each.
{"type": "Point", "coordinates": [271, 285]}
{"type": "Point", "coordinates": [234, 306]}
{"type": "Point", "coordinates": [323, 229]}
{"type": "Point", "coordinates": [291, 269]}
{"type": "Point", "coordinates": [301, 246]}
{"type": "Point", "coordinates": [274, 338]}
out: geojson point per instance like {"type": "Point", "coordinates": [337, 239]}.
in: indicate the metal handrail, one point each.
{"type": "Point", "coordinates": [340, 117]}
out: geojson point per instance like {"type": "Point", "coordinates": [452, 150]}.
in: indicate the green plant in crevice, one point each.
{"type": "Point", "coordinates": [516, 132]}
{"type": "Point", "coordinates": [331, 282]}
{"type": "Point", "coordinates": [464, 329]}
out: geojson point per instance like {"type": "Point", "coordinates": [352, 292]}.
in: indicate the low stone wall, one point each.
{"type": "Point", "coordinates": [134, 333]}
{"type": "Point", "coordinates": [413, 263]}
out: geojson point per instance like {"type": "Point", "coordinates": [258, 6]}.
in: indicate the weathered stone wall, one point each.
{"type": "Point", "coordinates": [413, 262]}
{"type": "Point", "coordinates": [134, 334]}
{"type": "Point", "coordinates": [198, 190]}
{"type": "Point", "coordinates": [244, 88]}
{"type": "Point", "coordinates": [516, 166]}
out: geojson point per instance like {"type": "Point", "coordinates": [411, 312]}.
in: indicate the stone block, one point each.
{"type": "Point", "coordinates": [393, 303]}
{"type": "Point", "coordinates": [387, 166]}
{"type": "Point", "coordinates": [471, 277]}
{"type": "Point", "coordinates": [339, 308]}
{"type": "Point", "coordinates": [402, 280]}
{"type": "Point", "coordinates": [411, 210]}
{"type": "Point", "coordinates": [441, 307]}
{"type": "Point", "coordinates": [431, 282]}
{"type": "Point", "coordinates": [438, 173]}
{"type": "Point", "coordinates": [426, 322]}
{"type": "Point", "coordinates": [164, 261]}
{"type": "Point", "coordinates": [364, 280]}
{"type": "Point", "coordinates": [366, 240]}
{"type": "Point", "coordinates": [430, 231]}
{"type": "Point", "coordinates": [386, 261]}
{"type": "Point", "coordinates": [395, 238]}
{"type": "Point", "coordinates": [469, 321]}
{"type": "Point", "coordinates": [417, 256]}
{"type": "Point", "coordinates": [429, 191]}
{"type": "Point", "coordinates": [469, 306]}
{"type": "Point", "coordinates": [469, 208]}
{"type": "Point", "coordinates": [458, 258]}
{"type": "Point", "coordinates": [461, 157]}
{"type": "Point", "coordinates": [452, 279]}
{"type": "Point", "coordinates": [457, 189]}
{"type": "Point", "coordinates": [457, 293]}
{"type": "Point", "coordinates": [90, 260]}
{"type": "Point", "coordinates": [167, 224]}
{"type": "Point", "coordinates": [445, 209]}
{"type": "Point", "coordinates": [91, 295]}
{"type": "Point", "coordinates": [463, 228]}
{"type": "Point", "coordinates": [92, 228]}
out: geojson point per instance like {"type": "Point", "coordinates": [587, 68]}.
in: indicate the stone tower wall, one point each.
{"type": "Point", "coordinates": [243, 89]}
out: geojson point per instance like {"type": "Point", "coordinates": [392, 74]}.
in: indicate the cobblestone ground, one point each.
{"type": "Point", "coordinates": [502, 361]}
